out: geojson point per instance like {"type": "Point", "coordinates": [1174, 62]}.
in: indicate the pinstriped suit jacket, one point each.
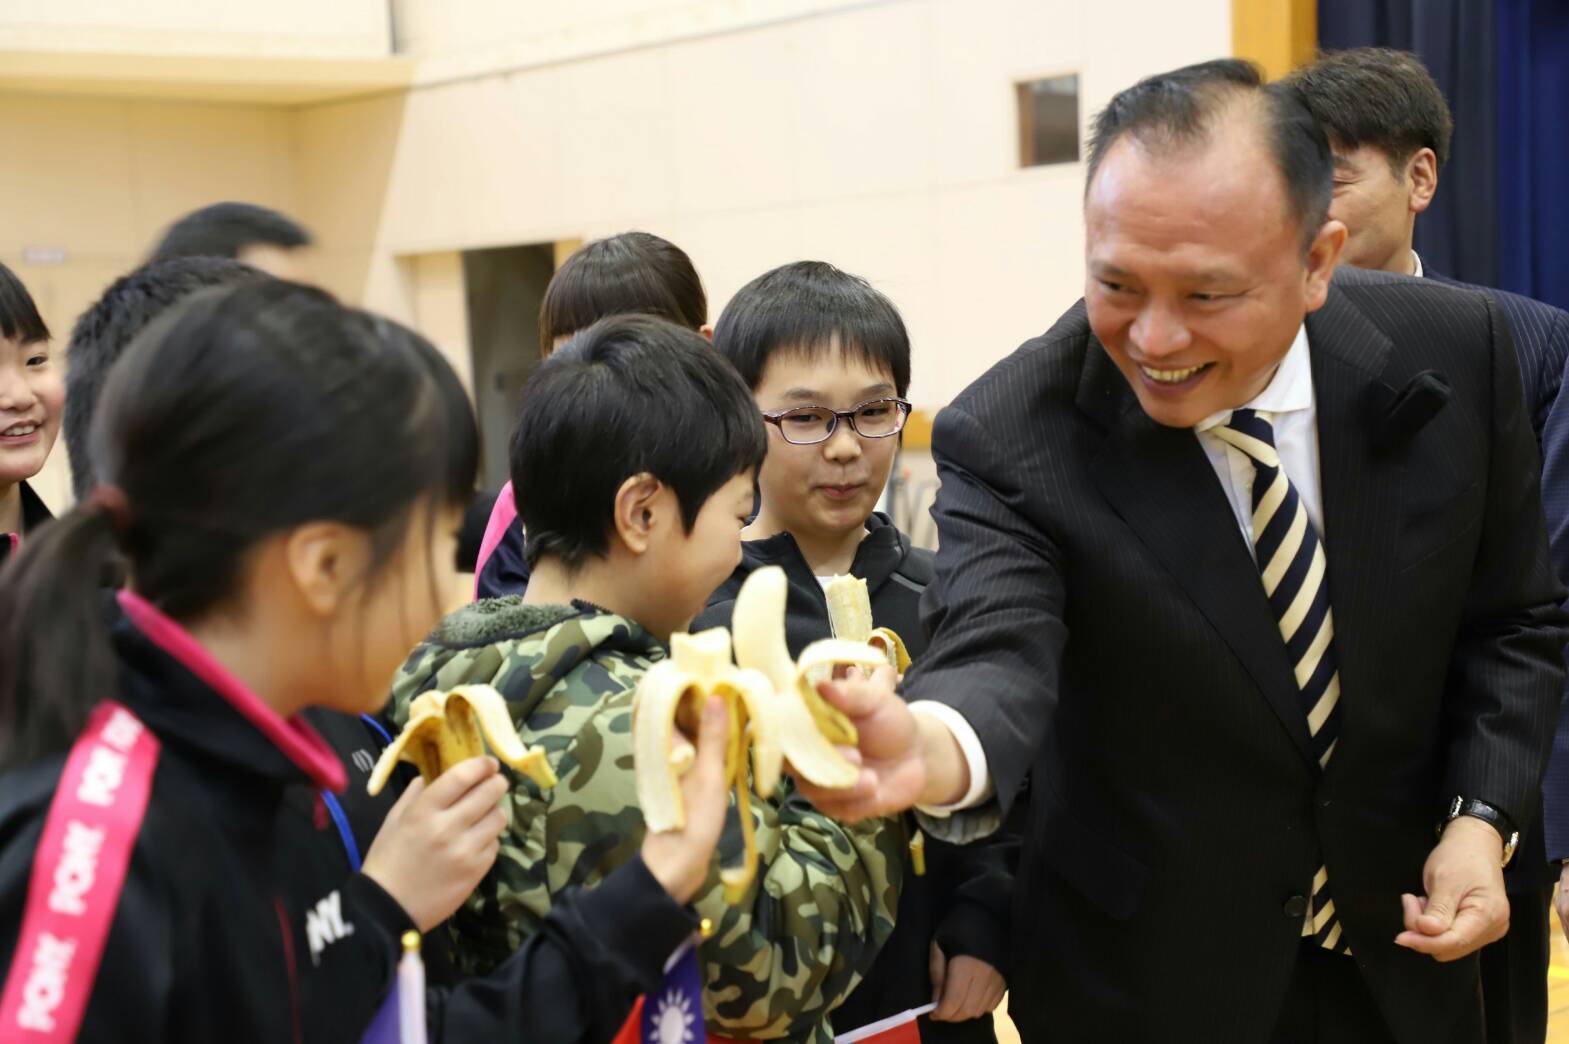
{"type": "Point", "coordinates": [1098, 619]}
{"type": "Point", "coordinates": [1541, 338]}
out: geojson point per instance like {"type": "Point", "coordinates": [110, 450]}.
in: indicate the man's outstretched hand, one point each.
{"type": "Point", "coordinates": [897, 752]}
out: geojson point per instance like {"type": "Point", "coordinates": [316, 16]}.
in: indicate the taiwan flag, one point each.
{"type": "Point", "coordinates": [401, 1019]}
{"type": "Point", "coordinates": [674, 1013]}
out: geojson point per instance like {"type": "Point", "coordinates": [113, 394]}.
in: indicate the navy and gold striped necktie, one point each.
{"type": "Point", "coordinates": [1291, 562]}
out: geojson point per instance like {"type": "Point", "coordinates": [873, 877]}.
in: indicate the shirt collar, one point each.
{"type": "Point", "coordinates": [1416, 259]}
{"type": "Point", "coordinates": [1291, 388]}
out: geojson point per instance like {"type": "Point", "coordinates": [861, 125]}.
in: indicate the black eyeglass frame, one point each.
{"type": "Point", "coordinates": [901, 406]}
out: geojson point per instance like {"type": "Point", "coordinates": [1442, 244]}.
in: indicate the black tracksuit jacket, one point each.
{"type": "Point", "coordinates": [239, 919]}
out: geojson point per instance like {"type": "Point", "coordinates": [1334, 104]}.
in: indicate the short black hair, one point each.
{"type": "Point", "coordinates": [107, 328]}
{"type": "Point", "coordinates": [19, 318]}
{"type": "Point", "coordinates": [1180, 107]}
{"type": "Point", "coordinates": [807, 308]}
{"type": "Point", "coordinates": [633, 272]}
{"type": "Point", "coordinates": [243, 412]}
{"type": "Point", "coordinates": [1380, 97]}
{"type": "Point", "coordinates": [224, 229]}
{"type": "Point", "coordinates": [630, 394]}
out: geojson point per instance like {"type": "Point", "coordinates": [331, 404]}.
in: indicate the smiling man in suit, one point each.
{"type": "Point", "coordinates": [1242, 562]}
{"type": "Point", "coordinates": [1390, 129]}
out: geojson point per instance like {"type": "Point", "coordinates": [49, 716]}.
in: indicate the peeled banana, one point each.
{"type": "Point", "coordinates": [775, 713]}
{"type": "Point", "coordinates": [445, 728]}
{"type": "Point", "coordinates": [850, 617]}
{"type": "Point", "coordinates": [809, 726]}
{"type": "Point", "coordinates": [674, 690]}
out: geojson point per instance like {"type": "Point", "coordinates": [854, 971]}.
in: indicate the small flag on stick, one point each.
{"type": "Point", "coordinates": [401, 1019]}
{"type": "Point", "coordinates": [895, 1029]}
{"type": "Point", "coordinates": [674, 1013]}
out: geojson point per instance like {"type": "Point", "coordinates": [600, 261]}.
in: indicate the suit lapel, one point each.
{"type": "Point", "coordinates": [1160, 483]}
{"type": "Point", "coordinates": [1360, 490]}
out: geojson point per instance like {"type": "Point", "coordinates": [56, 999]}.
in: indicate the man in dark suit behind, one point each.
{"type": "Point", "coordinates": [1246, 568]}
{"type": "Point", "coordinates": [1390, 129]}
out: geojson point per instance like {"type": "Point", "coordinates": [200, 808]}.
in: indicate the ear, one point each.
{"type": "Point", "coordinates": [707, 330]}
{"type": "Point", "coordinates": [638, 511]}
{"type": "Point", "coordinates": [1422, 177]}
{"type": "Point", "coordinates": [325, 561]}
{"type": "Point", "coordinates": [1322, 258]}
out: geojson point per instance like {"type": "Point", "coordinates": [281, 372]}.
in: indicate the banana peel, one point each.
{"type": "Point", "coordinates": [850, 617]}
{"type": "Point", "coordinates": [445, 728]}
{"type": "Point", "coordinates": [671, 695]}
{"type": "Point", "coordinates": [775, 710]}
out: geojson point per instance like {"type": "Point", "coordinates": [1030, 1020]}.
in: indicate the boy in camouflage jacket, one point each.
{"type": "Point", "coordinates": [626, 549]}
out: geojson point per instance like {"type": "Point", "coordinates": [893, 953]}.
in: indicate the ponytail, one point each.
{"type": "Point", "coordinates": [55, 658]}
{"type": "Point", "coordinates": [241, 413]}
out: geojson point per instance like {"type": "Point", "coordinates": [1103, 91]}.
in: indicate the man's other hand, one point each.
{"type": "Point", "coordinates": [1465, 907]}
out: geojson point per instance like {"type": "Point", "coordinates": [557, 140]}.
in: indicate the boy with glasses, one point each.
{"type": "Point", "coordinates": [828, 360]}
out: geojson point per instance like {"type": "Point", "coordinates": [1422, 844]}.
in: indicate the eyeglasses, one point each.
{"type": "Point", "coordinates": [808, 425]}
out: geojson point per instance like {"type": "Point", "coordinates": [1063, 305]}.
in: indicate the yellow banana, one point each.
{"type": "Point", "coordinates": [674, 690]}
{"type": "Point", "coordinates": [445, 728]}
{"type": "Point", "coordinates": [775, 712]}
{"type": "Point", "coordinates": [850, 617]}
{"type": "Point", "coordinates": [849, 608]}
{"type": "Point", "coordinates": [892, 647]}
{"type": "Point", "coordinates": [809, 727]}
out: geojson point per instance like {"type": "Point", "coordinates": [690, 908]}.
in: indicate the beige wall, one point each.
{"type": "Point", "coordinates": [91, 183]}
{"type": "Point", "coordinates": [296, 28]}
{"type": "Point", "coordinates": [481, 36]}
{"type": "Point", "coordinates": [876, 134]}
{"type": "Point", "coordinates": [880, 136]}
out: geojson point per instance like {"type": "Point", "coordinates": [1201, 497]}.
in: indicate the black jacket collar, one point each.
{"type": "Point", "coordinates": [191, 716]}
{"type": "Point", "coordinates": [34, 514]}
{"type": "Point", "coordinates": [880, 555]}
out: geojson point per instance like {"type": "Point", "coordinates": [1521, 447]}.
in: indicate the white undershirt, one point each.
{"type": "Point", "coordinates": [1289, 399]}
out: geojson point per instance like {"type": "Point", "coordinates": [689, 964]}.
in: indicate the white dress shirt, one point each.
{"type": "Point", "coordinates": [1288, 398]}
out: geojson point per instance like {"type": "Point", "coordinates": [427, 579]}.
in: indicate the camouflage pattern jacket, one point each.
{"type": "Point", "coordinates": [825, 894]}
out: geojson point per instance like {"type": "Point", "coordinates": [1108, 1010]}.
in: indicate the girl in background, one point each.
{"type": "Point", "coordinates": [32, 398]}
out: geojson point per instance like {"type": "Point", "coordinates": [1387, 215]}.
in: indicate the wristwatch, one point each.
{"type": "Point", "coordinates": [1489, 814]}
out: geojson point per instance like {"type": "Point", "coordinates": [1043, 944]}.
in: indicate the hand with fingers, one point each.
{"type": "Point", "coordinates": [680, 859]}
{"type": "Point", "coordinates": [1465, 907]}
{"type": "Point", "coordinates": [964, 987]}
{"type": "Point", "coordinates": [440, 840]}
{"type": "Point", "coordinates": [890, 750]}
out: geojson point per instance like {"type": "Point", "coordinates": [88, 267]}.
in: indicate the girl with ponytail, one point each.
{"type": "Point", "coordinates": [281, 482]}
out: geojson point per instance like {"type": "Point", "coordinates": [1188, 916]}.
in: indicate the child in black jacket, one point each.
{"type": "Point", "coordinates": [828, 361]}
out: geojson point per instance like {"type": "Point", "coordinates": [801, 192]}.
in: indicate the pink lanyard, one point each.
{"type": "Point", "coordinates": [78, 874]}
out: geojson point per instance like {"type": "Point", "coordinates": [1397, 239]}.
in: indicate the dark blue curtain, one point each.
{"type": "Point", "coordinates": [1501, 217]}
{"type": "Point", "coordinates": [1533, 152]}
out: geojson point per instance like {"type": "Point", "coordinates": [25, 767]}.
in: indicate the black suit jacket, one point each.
{"type": "Point", "coordinates": [1541, 339]}
{"type": "Point", "coordinates": [1098, 618]}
